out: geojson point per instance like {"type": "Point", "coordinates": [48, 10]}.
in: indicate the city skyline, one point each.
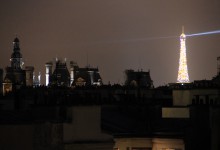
{"type": "Point", "coordinates": [115, 35]}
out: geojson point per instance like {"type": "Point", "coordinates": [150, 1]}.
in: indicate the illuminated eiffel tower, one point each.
{"type": "Point", "coordinates": [183, 76]}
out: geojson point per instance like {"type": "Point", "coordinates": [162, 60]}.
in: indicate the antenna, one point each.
{"type": "Point", "coordinates": [182, 29]}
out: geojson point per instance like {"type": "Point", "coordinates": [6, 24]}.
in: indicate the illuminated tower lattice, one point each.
{"type": "Point", "coordinates": [183, 76]}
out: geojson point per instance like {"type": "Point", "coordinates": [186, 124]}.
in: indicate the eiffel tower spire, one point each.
{"type": "Point", "coordinates": [183, 76]}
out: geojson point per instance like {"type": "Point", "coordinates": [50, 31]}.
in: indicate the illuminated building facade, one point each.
{"type": "Point", "coordinates": [16, 76]}
{"type": "Point", "coordinates": [48, 66]}
{"type": "Point", "coordinates": [36, 80]}
{"type": "Point", "coordinates": [183, 76]}
{"type": "Point", "coordinates": [77, 76]}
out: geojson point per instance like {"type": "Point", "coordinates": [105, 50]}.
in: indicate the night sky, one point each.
{"type": "Point", "coordinates": [115, 35]}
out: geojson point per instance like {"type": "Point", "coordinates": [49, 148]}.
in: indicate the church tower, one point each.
{"type": "Point", "coordinates": [16, 57]}
{"type": "Point", "coordinates": [16, 76]}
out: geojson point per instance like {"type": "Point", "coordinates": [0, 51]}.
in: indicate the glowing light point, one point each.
{"type": "Point", "coordinates": [183, 76]}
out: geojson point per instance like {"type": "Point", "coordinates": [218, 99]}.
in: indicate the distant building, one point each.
{"type": "Point", "coordinates": [86, 76]}
{"type": "Point", "coordinates": [29, 75]}
{"type": "Point", "coordinates": [138, 79]}
{"type": "Point", "coordinates": [60, 75]}
{"type": "Point", "coordinates": [1, 79]}
{"type": "Point", "coordinates": [36, 80]}
{"type": "Point", "coordinates": [216, 79]}
{"type": "Point", "coordinates": [76, 77]}
{"type": "Point", "coordinates": [15, 75]}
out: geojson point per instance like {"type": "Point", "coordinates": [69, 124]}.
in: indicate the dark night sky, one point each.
{"type": "Point", "coordinates": [114, 34]}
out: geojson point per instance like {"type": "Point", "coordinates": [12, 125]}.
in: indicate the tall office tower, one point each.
{"type": "Point", "coordinates": [183, 76]}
